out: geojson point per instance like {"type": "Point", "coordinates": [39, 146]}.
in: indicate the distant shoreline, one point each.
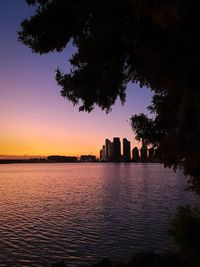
{"type": "Point", "coordinates": [2, 161]}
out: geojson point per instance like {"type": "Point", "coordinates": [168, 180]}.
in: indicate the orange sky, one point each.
{"type": "Point", "coordinates": [34, 118]}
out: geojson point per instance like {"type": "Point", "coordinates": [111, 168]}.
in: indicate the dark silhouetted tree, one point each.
{"type": "Point", "coordinates": [185, 228]}
{"type": "Point", "coordinates": [155, 43]}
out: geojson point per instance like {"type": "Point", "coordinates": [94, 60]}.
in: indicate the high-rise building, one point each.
{"type": "Point", "coordinates": [107, 149]}
{"type": "Point", "coordinates": [112, 151]}
{"type": "Point", "coordinates": [126, 150]}
{"type": "Point", "coordinates": [143, 154]}
{"type": "Point", "coordinates": [135, 155]}
{"type": "Point", "coordinates": [116, 149]}
{"type": "Point", "coordinates": [101, 154]}
{"type": "Point", "coordinates": [143, 151]}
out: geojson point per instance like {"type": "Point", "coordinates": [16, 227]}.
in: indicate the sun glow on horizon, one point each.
{"type": "Point", "coordinates": [35, 119]}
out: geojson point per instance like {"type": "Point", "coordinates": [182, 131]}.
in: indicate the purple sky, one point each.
{"type": "Point", "coordinates": [35, 119]}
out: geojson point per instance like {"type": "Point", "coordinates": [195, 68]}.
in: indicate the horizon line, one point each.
{"type": "Point", "coordinates": [27, 156]}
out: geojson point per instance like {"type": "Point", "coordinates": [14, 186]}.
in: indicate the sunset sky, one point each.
{"type": "Point", "coordinates": [34, 118]}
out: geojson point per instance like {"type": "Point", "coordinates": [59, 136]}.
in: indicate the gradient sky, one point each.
{"type": "Point", "coordinates": [34, 118]}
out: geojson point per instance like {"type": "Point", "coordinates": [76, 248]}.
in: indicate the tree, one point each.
{"type": "Point", "coordinates": [185, 228]}
{"type": "Point", "coordinates": [154, 43]}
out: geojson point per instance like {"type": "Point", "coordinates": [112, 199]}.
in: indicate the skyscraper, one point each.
{"type": "Point", "coordinates": [107, 149]}
{"type": "Point", "coordinates": [143, 151]}
{"type": "Point", "coordinates": [111, 151]}
{"type": "Point", "coordinates": [116, 149]}
{"type": "Point", "coordinates": [135, 155]}
{"type": "Point", "coordinates": [126, 150]}
{"type": "Point", "coordinates": [103, 152]}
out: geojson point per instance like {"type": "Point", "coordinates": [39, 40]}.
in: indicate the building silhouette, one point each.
{"type": "Point", "coordinates": [143, 151]}
{"type": "Point", "coordinates": [112, 151]}
{"type": "Point", "coordinates": [107, 150]}
{"type": "Point", "coordinates": [126, 150]}
{"type": "Point", "coordinates": [135, 155]}
{"type": "Point", "coordinates": [101, 154]}
{"type": "Point", "coordinates": [116, 149]}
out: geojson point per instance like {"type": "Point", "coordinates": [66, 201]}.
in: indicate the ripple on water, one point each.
{"type": "Point", "coordinates": [84, 212]}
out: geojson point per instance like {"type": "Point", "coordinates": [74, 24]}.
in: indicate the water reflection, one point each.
{"type": "Point", "coordinates": [83, 212]}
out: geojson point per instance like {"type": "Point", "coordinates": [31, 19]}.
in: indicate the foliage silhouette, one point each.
{"type": "Point", "coordinates": [185, 228]}
{"type": "Point", "coordinates": [154, 43]}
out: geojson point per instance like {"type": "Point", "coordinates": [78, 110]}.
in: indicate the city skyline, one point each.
{"type": "Point", "coordinates": [117, 151]}
{"type": "Point", "coordinates": [35, 119]}
{"type": "Point", "coordinates": [27, 156]}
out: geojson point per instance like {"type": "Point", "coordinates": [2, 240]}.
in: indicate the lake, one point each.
{"type": "Point", "coordinates": [83, 212]}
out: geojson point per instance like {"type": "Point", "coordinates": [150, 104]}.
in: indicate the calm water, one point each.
{"type": "Point", "coordinates": [84, 212]}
